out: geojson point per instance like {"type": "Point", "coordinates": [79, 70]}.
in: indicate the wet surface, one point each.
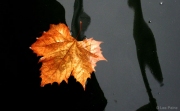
{"type": "Point", "coordinates": [120, 78]}
{"type": "Point", "coordinates": [140, 42]}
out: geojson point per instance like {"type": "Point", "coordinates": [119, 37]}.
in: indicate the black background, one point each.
{"type": "Point", "coordinates": [21, 23]}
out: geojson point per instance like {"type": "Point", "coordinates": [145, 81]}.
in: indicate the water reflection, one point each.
{"type": "Point", "coordinates": [146, 52]}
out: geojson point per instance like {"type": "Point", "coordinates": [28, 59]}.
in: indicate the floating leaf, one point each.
{"type": "Point", "coordinates": [62, 55]}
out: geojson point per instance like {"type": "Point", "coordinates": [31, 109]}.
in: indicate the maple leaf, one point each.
{"type": "Point", "coordinates": [62, 55]}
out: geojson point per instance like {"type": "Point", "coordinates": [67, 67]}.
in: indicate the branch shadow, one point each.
{"type": "Point", "coordinates": [78, 29]}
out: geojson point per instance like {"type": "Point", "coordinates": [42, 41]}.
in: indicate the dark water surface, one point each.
{"type": "Point", "coordinates": [140, 42]}
{"type": "Point", "coordinates": [123, 30]}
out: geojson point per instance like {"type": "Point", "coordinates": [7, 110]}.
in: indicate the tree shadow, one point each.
{"type": "Point", "coordinates": [22, 22]}
{"type": "Point", "coordinates": [146, 52]}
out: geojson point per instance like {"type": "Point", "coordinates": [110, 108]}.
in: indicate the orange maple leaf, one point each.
{"type": "Point", "coordinates": [62, 55]}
